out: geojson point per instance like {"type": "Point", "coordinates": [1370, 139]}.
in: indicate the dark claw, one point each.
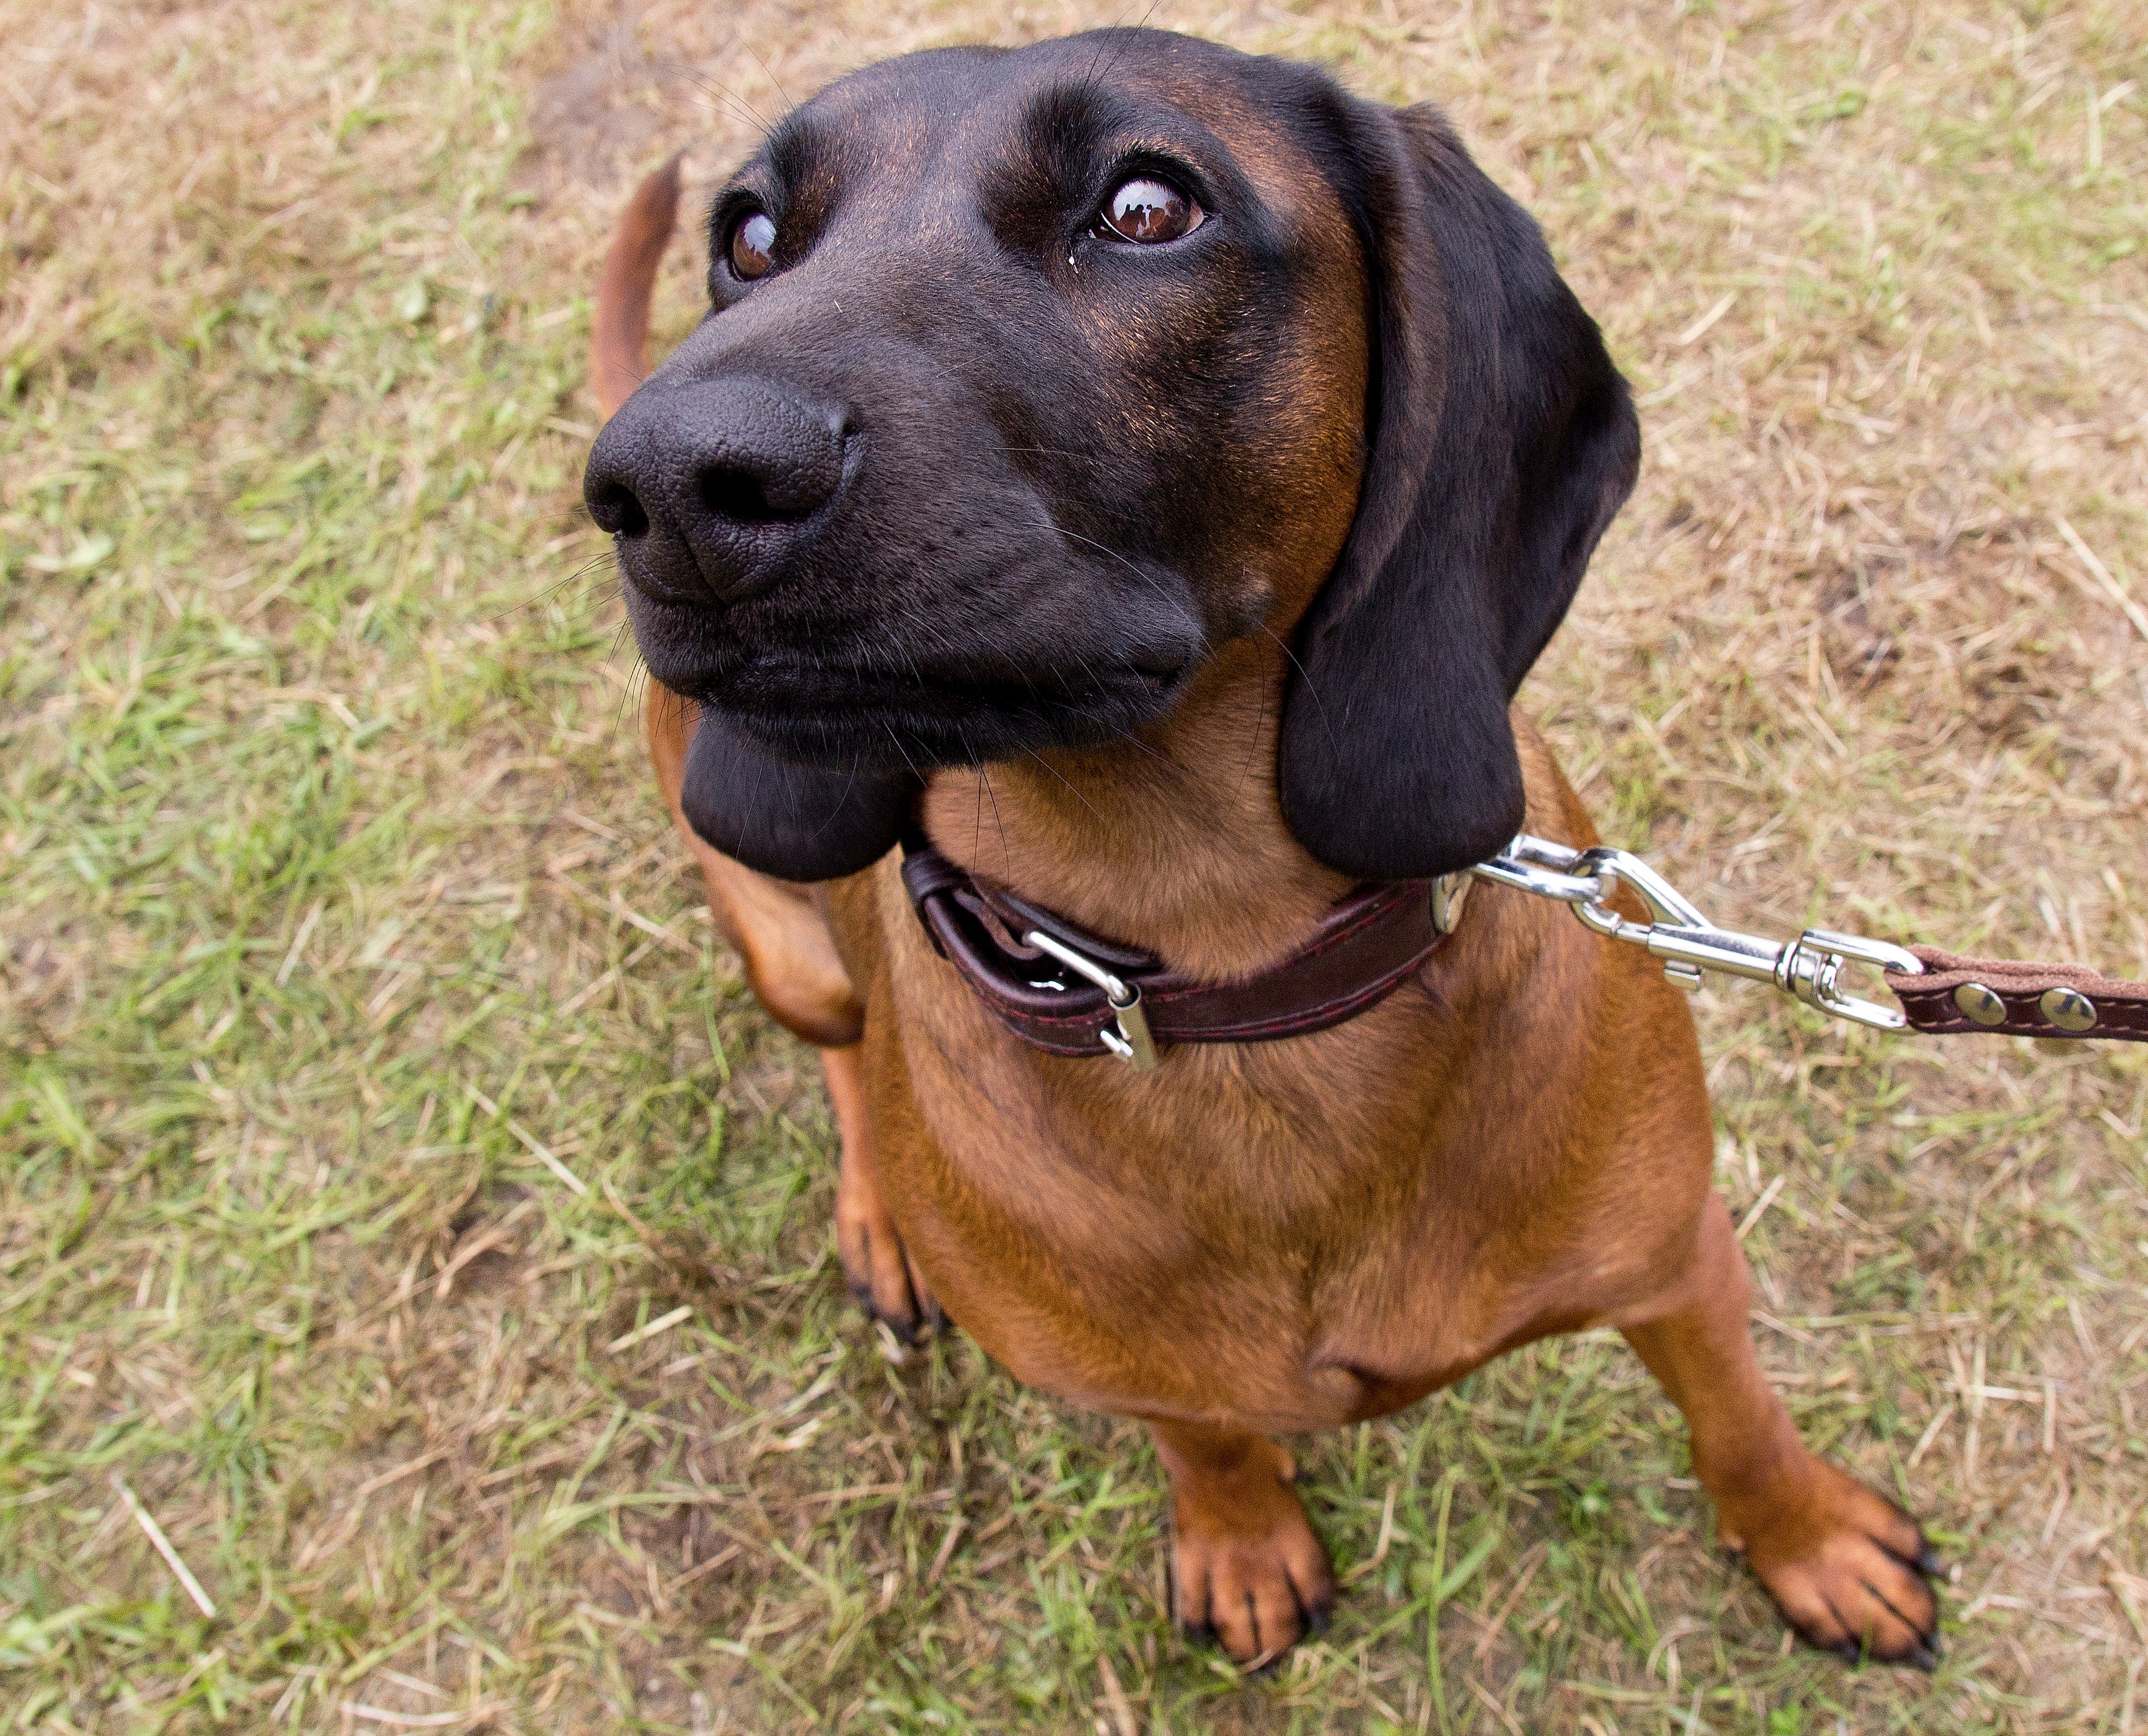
{"type": "Point", "coordinates": [1925, 1657]}
{"type": "Point", "coordinates": [1844, 1651]}
{"type": "Point", "coordinates": [1928, 1562]}
{"type": "Point", "coordinates": [911, 1330]}
{"type": "Point", "coordinates": [1313, 1617]}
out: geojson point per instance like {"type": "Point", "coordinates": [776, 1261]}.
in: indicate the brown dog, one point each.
{"type": "Point", "coordinates": [1143, 473]}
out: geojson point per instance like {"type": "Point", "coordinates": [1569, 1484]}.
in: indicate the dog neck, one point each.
{"type": "Point", "coordinates": [1173, 840]}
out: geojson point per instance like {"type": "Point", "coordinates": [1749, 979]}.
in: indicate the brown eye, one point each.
{"type": "Point", "coordinates": [753, 241]}
{"type": "Point", "coordinates": [1148, 211]}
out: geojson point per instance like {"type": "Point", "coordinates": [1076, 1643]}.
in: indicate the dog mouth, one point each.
{"type": "Point", "coordinates": [918, 717]}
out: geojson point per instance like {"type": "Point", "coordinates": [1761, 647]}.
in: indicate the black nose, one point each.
{"type": "Point", "coordinates": [708, 486]}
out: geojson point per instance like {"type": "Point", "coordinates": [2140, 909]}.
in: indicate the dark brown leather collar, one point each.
{"type": "Point", "coordinates": [1364, 949]}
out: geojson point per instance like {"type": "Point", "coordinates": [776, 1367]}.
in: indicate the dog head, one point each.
{"type": "Point", "coordinates": [1033, 377]}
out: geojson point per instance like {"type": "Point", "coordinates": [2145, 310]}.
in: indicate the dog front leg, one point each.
{"type": "Point", "coordinates": [1246, 1565]}
{"type": "Point", "coordinates": [882, 1274]}
{"type": "Point", "coordinates": [1846, 1567]}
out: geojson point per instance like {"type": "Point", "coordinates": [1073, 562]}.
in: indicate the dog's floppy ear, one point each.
{"type": "Point", "coordinates": [1500, 442]}
{"type": "Point", "coordinates": [796, 822]}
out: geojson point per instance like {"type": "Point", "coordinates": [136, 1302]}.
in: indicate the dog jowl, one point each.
{"type": "Point", "coordinates": [1145, 472]}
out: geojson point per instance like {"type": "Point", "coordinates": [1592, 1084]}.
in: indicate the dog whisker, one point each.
{"type": "Point", "coordinates": [1147, 578]}
{"type": "Point", "coordinates": [631, 689]}
{"type": "Point", "coordinates": [552, 590]}
{"type": "Point", "coordinates": [991, 796]}
{"type": "Point", "coordinates": [1062, 778]}
{"type": "Point", "coordinates": [1254, 740]}
{"type": "Point", "coordinates": [1311, 686]}
{"type": "Point", "coordinates": [904, 751]}
{"type": "Point", "coordinates": [772, 78]}
{"type": "Point", "coordinates": [1139, 746]}
{"type": "Point", "coordinates": [716, 91]}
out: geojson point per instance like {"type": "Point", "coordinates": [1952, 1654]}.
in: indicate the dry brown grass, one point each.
{"type": "Point", "coordinates": [334, 890]}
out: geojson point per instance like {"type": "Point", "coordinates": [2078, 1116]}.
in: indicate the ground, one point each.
{"type": "Point", "coordinates": [402, 1202]}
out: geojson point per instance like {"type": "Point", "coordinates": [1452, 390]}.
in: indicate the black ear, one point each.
{"type": "Point", "coordinates": [1500, 442]}
{"type": "Point", "coordinates": [796, 822]}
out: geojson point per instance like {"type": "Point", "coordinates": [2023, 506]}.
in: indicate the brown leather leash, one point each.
{"type": "Point", "coordinates": [1068, 992]}
{"type": "Point", "coordinates": [1959, 994]}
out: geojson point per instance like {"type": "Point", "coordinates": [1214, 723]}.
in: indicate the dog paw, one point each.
{"type": "Point", "coordinates": [1247, 1569]}
{"type": "Point", "coordinates": [1850, 1571]}
{"type": "Point", "coordinates": [882, 1274]}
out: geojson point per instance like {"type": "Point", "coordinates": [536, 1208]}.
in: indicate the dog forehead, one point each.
{"type": "Point", "coordinates": [939, 119]}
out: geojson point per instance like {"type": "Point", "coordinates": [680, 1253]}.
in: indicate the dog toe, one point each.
{"type": "Point", "coordinates": [880, 1273]}
{"type": "Point", "coordinates": [1252, 1613]}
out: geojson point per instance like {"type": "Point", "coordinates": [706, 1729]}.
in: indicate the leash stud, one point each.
{"type": "Point", "coordinates": [2069, 1009]}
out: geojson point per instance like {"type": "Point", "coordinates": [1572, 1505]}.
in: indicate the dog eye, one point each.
{"type": "Point", "coordinates": [1147, 210]}
{"type": "Point", "coordinates": [753, 244]}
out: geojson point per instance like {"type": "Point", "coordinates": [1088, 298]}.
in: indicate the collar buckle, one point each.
{"type": "Point", "coordinates": [1127, 1035]}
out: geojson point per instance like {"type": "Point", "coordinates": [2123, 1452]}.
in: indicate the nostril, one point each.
{"type": "Point", "coordinates": [739, 496]}
{"type": "Point", "coordinates": [617, 511]}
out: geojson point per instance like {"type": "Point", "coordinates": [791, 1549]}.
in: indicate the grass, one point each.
{"type": "Point", "coordinates": [374, 1096]}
